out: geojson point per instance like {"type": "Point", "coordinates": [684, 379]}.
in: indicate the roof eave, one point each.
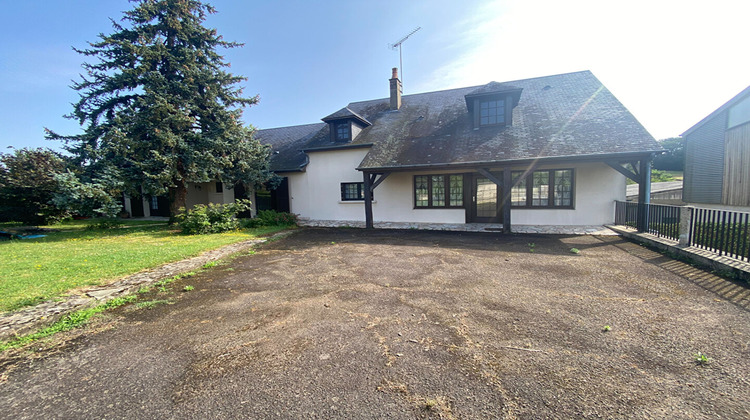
{"type": "Point", "coordinates": [594, 157]}
{"type": "Point", "coordinates": [341, 147]}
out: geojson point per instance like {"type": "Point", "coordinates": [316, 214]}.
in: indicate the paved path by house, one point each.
{"type": "Point", "coordinates": [348, 323]}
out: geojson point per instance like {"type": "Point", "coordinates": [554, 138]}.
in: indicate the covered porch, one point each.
{"type": "Point", "coordinates": [488, 189]}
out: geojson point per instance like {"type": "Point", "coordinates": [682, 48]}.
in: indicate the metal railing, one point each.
{"type": "Point", "coordinates": [626, 214]}
{"type": "Point", "coordinates": [723, 232]}
{"type": "Point", "coordinates": [663, 221]}
{"type": "Point", "coordinates": [720, 231]}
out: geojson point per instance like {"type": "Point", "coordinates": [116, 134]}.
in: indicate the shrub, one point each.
{"type": "Point", "coordinates": [271, 218]}
{"type": "Point", "coordinates": [95, 198]}
{"type": "Point", "coordinates": [212, 218]}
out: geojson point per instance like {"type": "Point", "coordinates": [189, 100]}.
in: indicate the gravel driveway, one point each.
{"type": "Point", "coordinates": [408, 324]}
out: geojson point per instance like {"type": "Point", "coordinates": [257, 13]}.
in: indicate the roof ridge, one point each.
{"type": "Point", "coordinates": [475, 86]}
{"type": "Point", "coordinates": [290, 126]}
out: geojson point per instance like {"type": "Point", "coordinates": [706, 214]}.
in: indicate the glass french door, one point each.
{"type": "Point", "coordinates": [485, 205]}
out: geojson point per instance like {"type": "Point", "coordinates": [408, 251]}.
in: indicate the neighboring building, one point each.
{"type": "Point", "coordinates": [669, 193]}
{"type": "Point", "coordinates": [717, 157]}
{"type": "Point", "coordinates": [544, 151]}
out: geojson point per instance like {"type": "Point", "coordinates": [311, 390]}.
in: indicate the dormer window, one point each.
{"type": "Point", "coordinates": [491, 112]}
{"type": "Point", "coordinates": [343, 131]}
{"type": "Point", "coordinates": [345, 124]}
{"type": "Point", "coordinates": [492, 105]}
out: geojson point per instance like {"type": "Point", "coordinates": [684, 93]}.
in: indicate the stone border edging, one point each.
{"type": "Point", "coordinates": [466, 227]}
{"type": "Point", "coordinates": [24, 320]}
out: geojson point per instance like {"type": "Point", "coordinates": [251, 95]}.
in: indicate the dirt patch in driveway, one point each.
{"type": "Point", "coordinates": [398, 324]}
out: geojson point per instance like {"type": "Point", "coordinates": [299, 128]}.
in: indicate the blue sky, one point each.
{"type": "Point", "coordinates": [670, 62]}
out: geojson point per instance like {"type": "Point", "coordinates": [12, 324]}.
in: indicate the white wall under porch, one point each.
{"type": "Point", "coordinates": [597, 187]}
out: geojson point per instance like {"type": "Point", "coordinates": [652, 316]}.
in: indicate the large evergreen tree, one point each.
{"type": "Point", "coordinates": [158, 108]}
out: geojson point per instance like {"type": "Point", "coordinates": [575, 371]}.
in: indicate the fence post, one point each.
{"type": "Point", "coordinates": [686, 221]}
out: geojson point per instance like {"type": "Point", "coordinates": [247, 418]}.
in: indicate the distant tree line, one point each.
{"type": "Point", "coordinates": [40, 186]}
{"type": "Point", "coordinates": [674, 157]}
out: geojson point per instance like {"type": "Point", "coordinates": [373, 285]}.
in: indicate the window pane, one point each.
{"type": "Point", "coordinates": [420, 191]}
{"type": "Point", "coordinates": [438, 190]}
{"type": "Point", "coordinates": [457, 190]}
{"type": "Point", "coordinates": [563, 191]}
{"type": "Point", "coordinates": [486, 198]}
{"type": "Point", "coordinates": [491, 112]}
{"type": "Point", "coordinates": [540, 189]}
{"type": "Point", "coordinates": [518, 193]}
{"type": "Point", "coordinates": [342, 131]}
{"type": "Point", "coordinates": [352, 191]}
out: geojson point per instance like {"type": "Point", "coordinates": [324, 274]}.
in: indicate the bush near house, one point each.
{"type": "Point", "coordinates": [271, 218]}
{"type": "Point", "coordinates": [211, 218]}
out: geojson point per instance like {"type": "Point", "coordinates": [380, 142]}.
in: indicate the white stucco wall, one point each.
{"type": "Point", "coordinates": [316, 194]}
{"type": "Point", "coordinates": [395, 203]}
{"type": "Point", "coordinates": [597, 186]}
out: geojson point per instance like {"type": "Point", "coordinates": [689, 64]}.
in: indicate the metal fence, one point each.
{"type": "Point", "coordinates": [663, 221]}
{"type": "Point", "coordinates": [626, 214]}
{"type": "Point", "coordinates": [720, 231]}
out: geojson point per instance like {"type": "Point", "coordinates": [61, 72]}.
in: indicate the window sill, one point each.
{"type": "Point", "coordinates": [355, 201]}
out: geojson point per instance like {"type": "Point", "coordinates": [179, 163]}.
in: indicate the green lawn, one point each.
{"type": "Point", "coordinates": [34, 270]}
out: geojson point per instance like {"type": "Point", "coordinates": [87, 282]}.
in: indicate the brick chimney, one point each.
{"type": "Point", "coordinates": [396, 90]}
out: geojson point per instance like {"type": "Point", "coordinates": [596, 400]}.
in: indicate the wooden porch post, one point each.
{"type": "Point", "coordinates": [644, 193]}
{"type": "Point", "coordinates": [368, 201]}
{"type": "Point", "coordinates": [507, 186]}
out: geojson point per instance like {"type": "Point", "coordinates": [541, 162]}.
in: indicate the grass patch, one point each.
{"type": "Point", "coordinates": [701, 359]}
{"type": "Point", "coordinates": [74, 255]}
{"type": "Point", "coordinates": [70, 321]}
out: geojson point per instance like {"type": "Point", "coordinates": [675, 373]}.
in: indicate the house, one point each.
{"type": "Point", "coordinates": [198, 193]}
{"type": "Point", "coordinates": [717, 157]}
{"type": "Point", "coordinates": [542, 151]}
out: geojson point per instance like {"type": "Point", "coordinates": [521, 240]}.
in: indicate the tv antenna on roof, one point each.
{"type": "Point", "coordinates": [398, 44]}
